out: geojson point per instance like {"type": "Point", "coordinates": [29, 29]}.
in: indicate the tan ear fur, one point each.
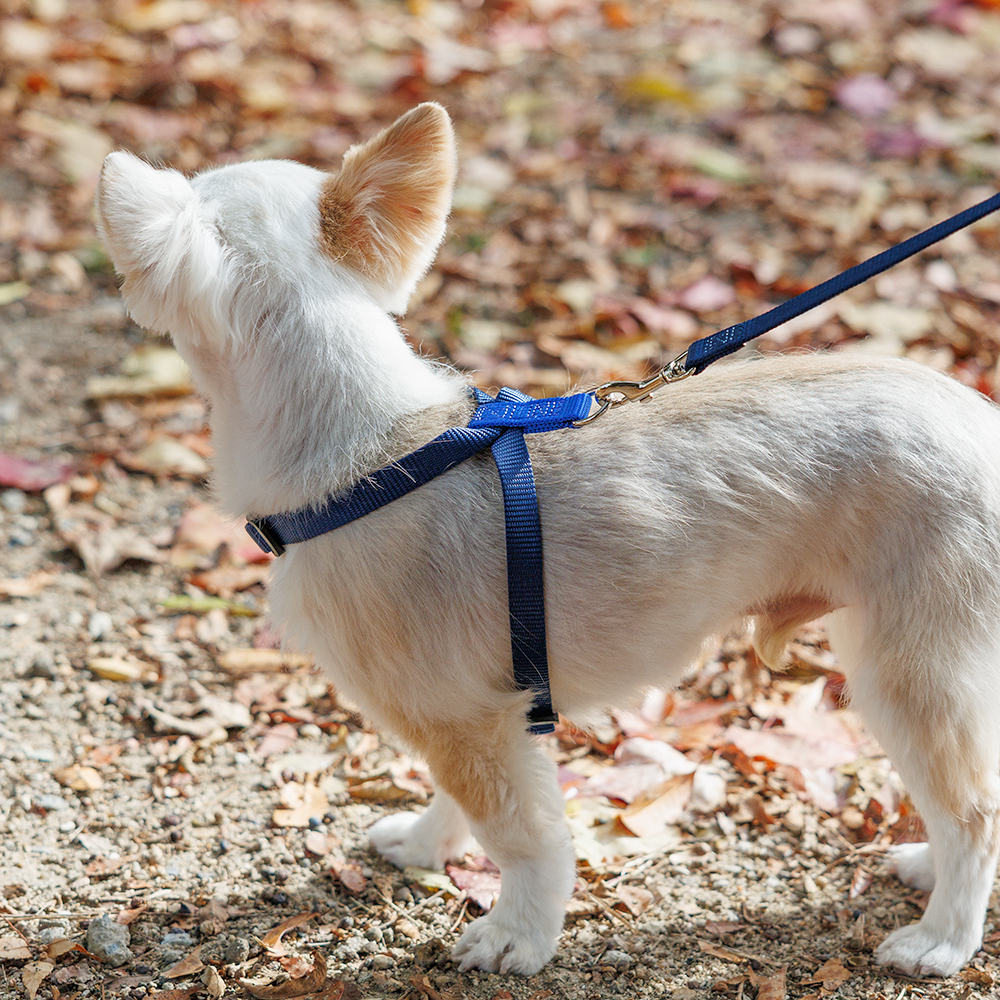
{"type": "Point", "coordinates": [384, 214]}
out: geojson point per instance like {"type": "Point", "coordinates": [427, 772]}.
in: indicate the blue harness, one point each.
{"type": "Point", "coordinates": [500, 425]}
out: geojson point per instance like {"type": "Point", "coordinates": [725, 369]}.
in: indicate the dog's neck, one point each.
{"type": "Point", "coordinates": [316, 402]}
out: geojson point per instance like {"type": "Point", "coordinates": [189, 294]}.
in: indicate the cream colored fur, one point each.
{"type": "Point", "coordinates": [780, 488]}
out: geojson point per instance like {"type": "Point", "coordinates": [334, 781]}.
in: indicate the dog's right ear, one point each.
{"type": "Point", "coordinates": [384, 214]}
{"type": "Point", "coordinates": [148, 219]}
{"type": "Point", "coordinates": [137, 210]}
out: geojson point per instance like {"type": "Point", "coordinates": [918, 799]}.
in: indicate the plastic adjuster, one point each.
{"type": "Point", "coordinates": [265, 536]}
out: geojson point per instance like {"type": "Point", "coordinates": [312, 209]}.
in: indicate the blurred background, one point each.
{"type": "Point", "coordinates": [635, 173]}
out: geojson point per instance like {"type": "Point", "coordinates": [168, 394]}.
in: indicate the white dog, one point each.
{"type": "Point", "coordinates": [782, 490]}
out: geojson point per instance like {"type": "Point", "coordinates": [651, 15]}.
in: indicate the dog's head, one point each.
{"type": "Point", "coordinates": [206, 259]}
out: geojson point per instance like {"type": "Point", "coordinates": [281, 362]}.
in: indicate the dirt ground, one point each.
{"type": "Point", "coordinates": [152, 798]}
{"type": "Point", "coordinates": [182, 809]}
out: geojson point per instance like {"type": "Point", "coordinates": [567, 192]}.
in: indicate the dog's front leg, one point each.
{"type": "Point", "coordinates": [506, 787]}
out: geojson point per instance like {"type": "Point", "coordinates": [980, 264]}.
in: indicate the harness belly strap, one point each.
{"type": "Point", "coordinates": [499, 424]}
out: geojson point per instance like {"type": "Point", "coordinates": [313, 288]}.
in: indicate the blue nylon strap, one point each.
{"type": "Point", "coordinates": [703, 352]}
{"type": "Point", "coordinates": [531, 415]}
{"type": "Point", "coordinates": [454, 446]}
{"type": "Point", "coordinates": [525, 577]}
{"type": "Point", "coordinates": [499, 423]}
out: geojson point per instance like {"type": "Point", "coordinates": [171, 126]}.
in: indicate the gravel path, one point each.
{"type": "Point", "coordinates": [144, 772]}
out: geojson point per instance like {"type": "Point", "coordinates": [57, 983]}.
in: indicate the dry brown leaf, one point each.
{"type": "Point", "coordinates": [830, 975]}
{"type": "Point", "coordinates": [301, 803]}
{"type": "Point", "coordinates": [63, 946]}
{"type": "Point", "coordinates": [660, 807]}
{"type": "Point", "coordinates": [636, 899]}
{"type": "Point", "coordinates": [386, 789]}
{"type": "Point", "coordinates": [213, 982]}
{"type": "Point", "coordinates": [263, 661]}
{"type": "Point", "coordinates": [770, 987]}
{"type": "Point", "coordinates": [79, 778]}
{"type": "Point", "coordinates": [33, 975]}
{"type": "Point", "coordinates": [272, 939]}
{"type": "Point", "coordinates": [720, 951]}
{"type": "Point", "coordinates": [13, 948]}
{"type": "Point", "coordinates": [187, 966]}
{"type": "Point", "coordinates": [350, 877]}
{"type": "Point", "coordinates": [978, 976]}
{"type": "Point", "coordinates": [310, 982]}
{"type": "Point", "coordinates": [27, 586]}
{"type": "Point", "coordinates": [318, 843]}
{"type": "Point", "coordinates": [213, 916]}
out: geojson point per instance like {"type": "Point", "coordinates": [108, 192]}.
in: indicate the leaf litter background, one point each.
{"type": "Point", "coordinates": [184, 806]}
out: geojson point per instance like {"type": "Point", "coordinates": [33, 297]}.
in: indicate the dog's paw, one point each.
{"type": "Point", "coordinates": [407, 839]}
{"type": "Point", "coordinates": [917, 952]}
{"type": "Point", "coordinates": [913, 865]}
{"type": "Point", "coordinates": [496, 946]}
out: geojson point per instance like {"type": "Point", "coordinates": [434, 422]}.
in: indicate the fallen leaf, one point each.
{"type": "Point", "coordinates": [212, 916]}
{"type": "Point", "coordinates": [101, 866]}
{"type": "Point", "coordinates": [152, 371]}
{"type": "Point", "coordinates": [179, 604]}
{"type": "Point", "coordinates": [187, 966]}
{"type": "Point", "coordinates": [350, 877]}
{"type": "Point", "coordinates": [830, 975]}
{"type": "Point", "coordinates": [228, 580]}
{"type": "Point", "coordinates": [978, 976]}
{"type": "Point", "coordinates": [263, 661]}
{"type": "Point", "coordinates": [300, 803]}
{"type": "Point", "coordinates": [658, 808]}
{"type": "Point", "coordinates": [79, 778]}
{"type": "Point", "coordinates": [27, 586]}
{"type": "Point", "coordinates": [100, 542]}
{"type": "Point", "coordinates": [272, 939]}
{"type": "Point", "coordinates": [165, 456]}
{"type": "Point", "coordinates": [312, 980]}
{"type": "Point", "coordinates": [13, 948]}
{"type": "Point", "coordinates": [114, 668]}
{"type": "Point", "coordinates": [33, 975]}
{"type": "Point", "coordinates": [30, 475]}
{"type": "Point", "coordinates": [11, 291]}
{"type": "Point", "coordinates": [213, 982]}
{"type": "Point", "coordinates": [318, 843]}
{"type": "Point", "coordinates": [479, 879]}
{"type": "Point", "coordinates": [635, 899]}
{"type": "Point", "coordinates": [770, 987]}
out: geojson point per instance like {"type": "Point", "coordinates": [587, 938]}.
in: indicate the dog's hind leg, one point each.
{"type": "Point", "coordinates": [933, 710]}
{"type": "Point", "coordinates": [506, 788]}
{"type": "Point", "coordinates": [426, 840]}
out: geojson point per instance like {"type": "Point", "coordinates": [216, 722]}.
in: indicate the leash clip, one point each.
{"type": "Point", "coordinates": [615, 393]}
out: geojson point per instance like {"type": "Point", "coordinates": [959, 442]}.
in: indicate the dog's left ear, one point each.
{"type": "Point", "coordinates": [384, 214]}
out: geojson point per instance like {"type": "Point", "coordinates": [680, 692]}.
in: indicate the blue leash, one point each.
{"type": "Point", "coordinates": [703, 352]}
{"type": "Point", "coordinates": [500, 425]}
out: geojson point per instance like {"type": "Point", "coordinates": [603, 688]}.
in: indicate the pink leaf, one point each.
{"type": "Point", "coordinates": [27, 474]}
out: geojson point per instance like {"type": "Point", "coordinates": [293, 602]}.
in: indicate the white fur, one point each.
{"type": "Point", "coordinates": [867, 486]}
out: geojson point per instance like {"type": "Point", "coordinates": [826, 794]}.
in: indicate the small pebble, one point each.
{"type": "Point", "coordinates": [13, 501]}
{"type": "Point", "coordinates": [100, 625]}
{"type": "Point", "coordinates": [618, 960]}
{"type": "Point", "coordinates": [108, 940]}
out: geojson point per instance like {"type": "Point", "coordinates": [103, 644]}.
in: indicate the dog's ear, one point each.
{"type": "Point", "coordinates": [384, 214]}
{"type": "Point", "coordinates": [137, 210]}
{"type": "Point", "coordinates": [148, 219]}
